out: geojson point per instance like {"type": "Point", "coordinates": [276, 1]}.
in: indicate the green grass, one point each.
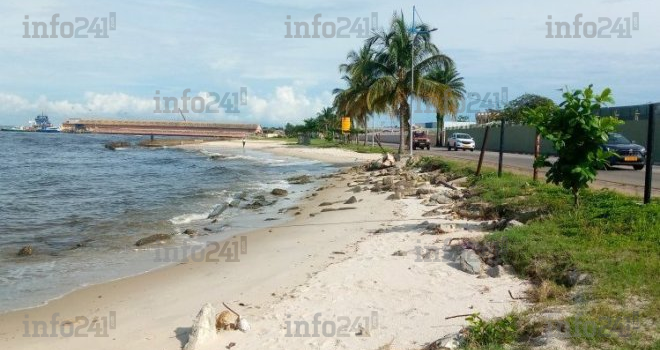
{"type": "Point", "coordinates": [359, 148]}
{"type": "Point", "coordinates": [322, 143]}
{"type": "Point", "coordinates": [611, 237]}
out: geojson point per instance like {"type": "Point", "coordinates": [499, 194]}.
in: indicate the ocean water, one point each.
{"type": "Point", "coordinates": [83, 207]}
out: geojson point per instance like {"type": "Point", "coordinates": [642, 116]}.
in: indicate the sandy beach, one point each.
{"type": "Point", "coordinates": [324, 263]}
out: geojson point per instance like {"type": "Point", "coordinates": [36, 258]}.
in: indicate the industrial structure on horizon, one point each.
{"type": "Point", "coordinates": [164, 128]}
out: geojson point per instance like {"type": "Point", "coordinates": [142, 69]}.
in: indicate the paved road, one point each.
{"type": "Point", "coordinates": [620, 177]}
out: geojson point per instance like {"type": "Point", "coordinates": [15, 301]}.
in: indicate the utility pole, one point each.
{"type": "Point", "coordinates": [537, 153]}
{"type": "Point", "coordinates": [499, 165]}
{"type": "Point", "coordinates": [414, 33]}
{"type": "Point", "coordinates": [412, 82]}
{"type": "Point", "coordinates": [650, 139]}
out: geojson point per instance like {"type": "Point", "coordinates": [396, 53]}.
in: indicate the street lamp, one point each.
{"type": "Point", "coordinates": [412, 74]}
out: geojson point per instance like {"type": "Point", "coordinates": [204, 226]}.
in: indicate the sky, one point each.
{"type": "Point", "coordinates": [217, 49]}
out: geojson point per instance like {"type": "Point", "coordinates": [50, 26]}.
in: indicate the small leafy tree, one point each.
{"type": "Point", "coordinates": [577, 134]}
{"type": "Point", "coordinates": [515, 110]}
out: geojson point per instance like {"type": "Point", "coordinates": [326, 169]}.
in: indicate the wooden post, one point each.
{"type": "Point", "coordinates": [499, 165]}
{"type": "Point", "coordinates": [483, 150]}
{"type": "Point", "coordinates": [537, 153]}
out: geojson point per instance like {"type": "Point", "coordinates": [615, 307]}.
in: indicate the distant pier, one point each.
{"type": "Point", "coordinates": [164, 128]}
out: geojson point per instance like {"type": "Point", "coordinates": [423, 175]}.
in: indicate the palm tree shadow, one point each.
{"type": "Point", "coordinates": [183, 334]}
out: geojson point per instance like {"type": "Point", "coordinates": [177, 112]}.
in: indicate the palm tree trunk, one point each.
{"type": "Point", "coordinates": [408, 126]}
{"type": "Point", "coordinates": [437, 130]}
{"type": "Point", "coordinates": [405, 108]}
{"type": "Point", "coordinates": [365, 131]}
{"type": "Point", "coordinates": [401, 132]}
{"type": "Point", "coordinates": [442, 131]}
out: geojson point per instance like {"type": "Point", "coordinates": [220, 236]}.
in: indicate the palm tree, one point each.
{"type": "Point", "coordinates": [455, 93]}
{"type": "Point", "coordinates": [352, 100]}
{"type": "Point", "coordinates": [327, 119]}
{"type": "Point", "coordinates": [390, 75]}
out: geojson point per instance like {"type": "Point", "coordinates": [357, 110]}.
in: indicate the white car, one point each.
{"type": "Point", "coordinates": [460, 141]}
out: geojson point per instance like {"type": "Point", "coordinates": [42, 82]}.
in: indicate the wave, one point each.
{"type": "Point", "coordinates": [188, 218]}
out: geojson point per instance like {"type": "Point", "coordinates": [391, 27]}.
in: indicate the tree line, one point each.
{"type": "Point", "coordinates": [400, 62]}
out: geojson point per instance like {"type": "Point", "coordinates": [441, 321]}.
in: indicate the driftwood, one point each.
{"type": "Point", "coordinates": [514, 298]}
{"type": "Point", "coordinates": [377, 139]}
{"type": "Point", "coordinates": [457, 316]}
{"type": "Point", "coordinates": [446, 184]}
{"type": "Point", "coordinates": [228, 308]}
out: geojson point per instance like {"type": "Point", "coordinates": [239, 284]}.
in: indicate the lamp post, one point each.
{"type": "Point", "coordinates": [412, 74]}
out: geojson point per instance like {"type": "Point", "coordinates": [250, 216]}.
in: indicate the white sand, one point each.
{"type": "Point", "coordinates": [336, 156]}
{"type": "Point", "coordinates": [290, 273]}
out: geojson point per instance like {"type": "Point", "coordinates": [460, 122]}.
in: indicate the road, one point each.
{"type": "Point", "coordinates": [620, 178]}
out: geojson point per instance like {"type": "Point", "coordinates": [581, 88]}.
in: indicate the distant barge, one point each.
{"type": "Point", "coordinates": [41, 124]}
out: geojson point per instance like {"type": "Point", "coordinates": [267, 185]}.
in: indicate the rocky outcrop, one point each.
{"type": "Point", "coordinates": [470, 262]}
{"type": "Point", "coordinates": [203, 329]}
{"type": "Point", "coordinates": [190, 232]}
{"type": "Point", "coordinates": [438, 229]}
{"type": "Point", "coordinates": [351, 200]}
{"type": "Point", "coordinates": [425, 189]}
{"type": "Point", "coordinates": [258, 202]}
{"type": "Point", "coordinates": [448, 342]}
{"type": "Point", "coordinates": [478, 211]}
{"type": "Point", "coordinates": [500, 225]}
{"type": "Point", "coordinates": [440, 198]}
{"type": "Point", "coordinates": [279, 192]}
{"type": "Point", "coordinates": [25, 251]}
{"type": "Point", "coordinates": [114, 145]}
{"type": "Point", "coordinates": [387, 161]}
{"type": "Point", "coordinates": [495, 271]}
{"type": "Point", "coordinates": [324, 210]}
{"type": "Point", "coordinates": [574, 277]}
{"type": "Point", "coordinates": [159, 237]}
{"type": "Point", "coordinates": [299, 180]}
{"type": "Point", "coordinates": [218, 210]}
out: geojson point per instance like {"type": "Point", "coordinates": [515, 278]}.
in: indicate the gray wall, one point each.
{"type": "Point", "coordinates": [520, 138]}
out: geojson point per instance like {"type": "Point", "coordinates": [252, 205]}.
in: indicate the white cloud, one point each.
{"type": "Point", "coordinates": [285, 104]}
{"type": "Point", "coordinates": [14, 103]}
{"type": "Point", "coordinates": [207, 46]}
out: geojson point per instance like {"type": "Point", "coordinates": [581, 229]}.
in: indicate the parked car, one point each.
{"type": "Point", "coordinates": [460, 141]}
{"type": "Point", "coordinates": [627, 152]}
{"type": "Point", "coordinates": [421, 140]}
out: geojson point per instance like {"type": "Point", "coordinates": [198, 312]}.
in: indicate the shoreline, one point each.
{"type": "Point", "coordinates": [220, 236]}
{"type": "Point", "coordinates": [315, 262]}
{"type": "Point", "coordinates": [133, 261]}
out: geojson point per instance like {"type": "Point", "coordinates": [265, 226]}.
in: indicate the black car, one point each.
{"type": "Point", "coordinates": [628, 153]}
